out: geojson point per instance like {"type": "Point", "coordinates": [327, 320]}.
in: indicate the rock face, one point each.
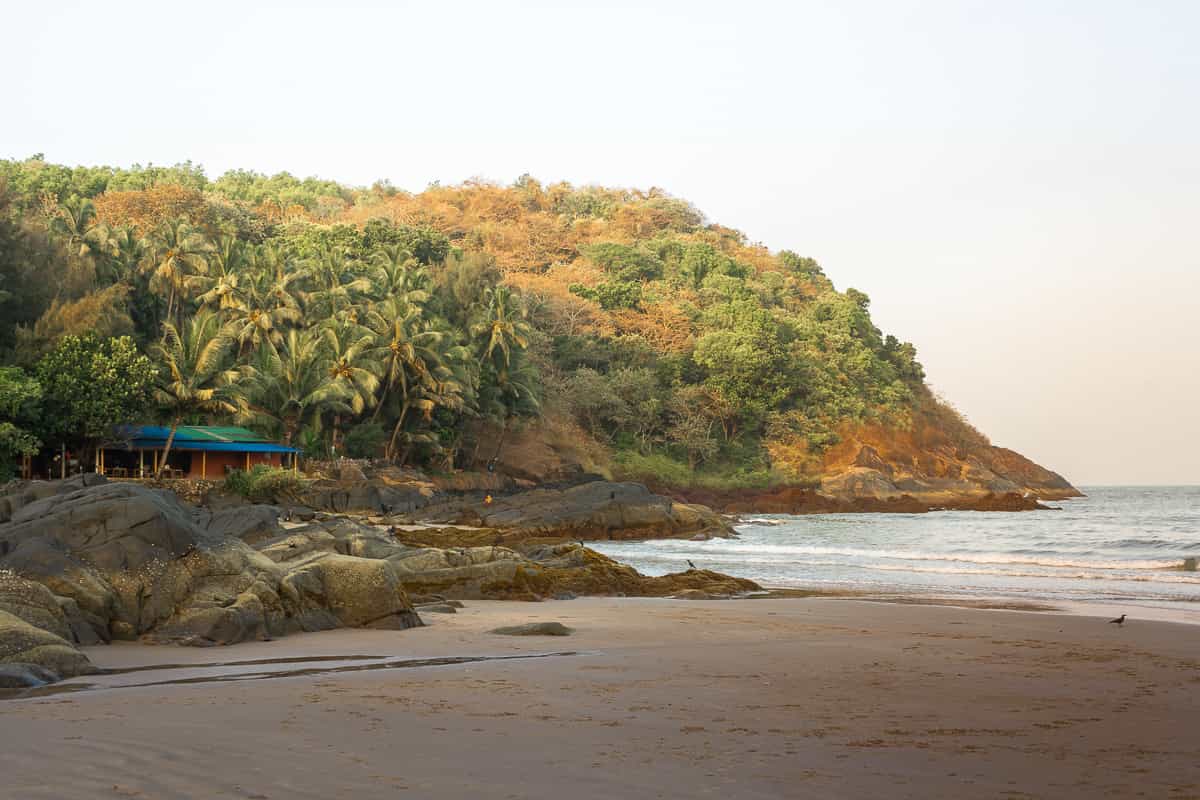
{"type": "Point", "coordinates": [929, 464]}
{"type": "Point", "coordinates": [87, 562]}
{"type": "Point", "coordinates": [113, 526]}
{"type": "Point", "coordinates": [795, 500]}
{"type": "Point", "coordinates": [25, 676]}
{"type": "Point", "coordinates": [588, 511]}
{"type": "Point", "coordinates": [535, 629]}
{"type": "Point", "coordinates": [120, 561]}
{"type": "Point", "coordinates": [22, 643]}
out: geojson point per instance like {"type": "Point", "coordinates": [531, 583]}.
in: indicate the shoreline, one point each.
{"type": "Point", "coordinates": [648, 697]}
{"type": "Point", "coordinates": [1073, 608]}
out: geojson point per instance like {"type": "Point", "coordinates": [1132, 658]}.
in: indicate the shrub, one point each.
{"type": "Point", "coordinates": [263, 484]}
{"type": "Point", "coordinates": [364, 441]}
{"type": "Point", "coordinates": [653, 469]}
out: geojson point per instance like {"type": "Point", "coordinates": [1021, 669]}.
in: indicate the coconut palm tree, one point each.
{"type": "Point", "coordinates": [125, 250]}
{"type": "Point", "coordinates": [288, 388]}
{"type": "Point", "coordinates": [443, 385]}
{"type": "Point", "coordinates": [336, 283]}
{"type": "Point", "coordinates": [175, 251]}
{"type": "Point", "coordinates": [222, 287]}
{"type": "Point", "coordinates": [195, 374]}
{"type": "Point", "coordinates": [76, 222]}
{"type": "Point", "coordinates": [350, 347]}
{"type": "Point", "coordinates": [397, 275]}
{"type": "Point", "coordinates": [270, 301]}
{"type": "Point", "coordinates": [351, 350]}
{"type": "Point", "coordinates": [501, 327]}
{"type": "Point", "coordinates": [405, 345]}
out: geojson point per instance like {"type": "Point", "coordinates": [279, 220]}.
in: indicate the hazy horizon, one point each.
{"type": "Point", "coordinates": [1012, 186]}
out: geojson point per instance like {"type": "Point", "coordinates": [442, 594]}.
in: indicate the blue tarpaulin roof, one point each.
{"type": "Point", "coordinates": [193, 437]}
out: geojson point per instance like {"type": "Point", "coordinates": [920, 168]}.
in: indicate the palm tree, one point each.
{"type": "Point", "coordinates": [442, 385]}
{"type": "Point", "coordinates": [125, 250]}
{"type": "Point", "coordinates": [397, 275]}
{"type": "Point", "coordinates": [423, 368]}
{"type": "Point", "coordinates": [76, 222]}
{"type": "Point", "coordinates": [221, 288]}
{"type": "Point", "coordinates": [194, 368]}
{"type": "Point", "coordinates": [506, 380]}
{"type": "Point", "coordinates": [270, 301]}
{"type": "Point", "coordinates": [289, 388]}
{"type": "Point", "coordinates": [351, 349]}
{"type": "Point", "coordinates": [501, 328]}
{"type": "Point", "coordinates": [405, 345]}
{"type": "Point", "coordinates": [335, 283]}
{"type": "Point", "coordinates": [175, 251]}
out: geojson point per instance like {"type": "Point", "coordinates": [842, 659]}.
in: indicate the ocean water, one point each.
{"type": "Point", "coordinates": [1116, 547]}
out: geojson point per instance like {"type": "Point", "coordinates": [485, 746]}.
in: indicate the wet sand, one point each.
{"type": "Point", "coordinates": [822, 698]}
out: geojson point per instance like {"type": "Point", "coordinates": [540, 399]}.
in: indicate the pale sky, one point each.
{"type": "Point", "coordinates": [1015, 184]}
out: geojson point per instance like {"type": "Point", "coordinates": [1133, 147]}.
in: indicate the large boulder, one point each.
{"type": "Point", "coordinates": [18, 494]}
{"type": "Point", "coordinates": [252, 524]}
{"type": "Point", "coordinates": [25, 676]}
{"type": "Point", "coordinates": [595, 510]}
{"type": "Point", "coordinates": [460, 572]}
{"type": "Point", "coordinates": [114, 526]}
{"type": "Point", "coordinates": [22, 643]}
{"type": "Point", "coordinates": [120, 561]}
{"type": "Point", "coordinates": [358, 592]}
{"type": "Point", "coordinates": [375, 495]}
{"type": "Point", "coordinates": [33, 603]}
{"type": "Point", "coordinates": [93, 601]}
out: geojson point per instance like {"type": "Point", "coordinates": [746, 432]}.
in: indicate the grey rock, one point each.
{"type": "Point", "coordinates": [438, 608]}
{"type": "Point", "coordinates": [535, 629]}
{"type": "Point", "coordinates": [25, 676]}
{"type": "Point", "coordinates": [251, 524]}
{"type": "Point", "coordinates": [33, 603]}
{"type": "Point", "coordinates": [114, 526]}
{"type": "Point", "coordinates": [22, 643]}
{"type": "Point", "coordinates": [120, 561]}
{"type": "Point", "coordinates": [595, 510]}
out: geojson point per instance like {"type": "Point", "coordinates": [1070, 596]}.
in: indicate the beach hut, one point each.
{"type": "Point", "coordinates": [197, 452]}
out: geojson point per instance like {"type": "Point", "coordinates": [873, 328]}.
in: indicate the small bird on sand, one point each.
{"type": "Point", "coordinates": [690, 564]}
{"type": "Point", "coordinates": [1119, 621]}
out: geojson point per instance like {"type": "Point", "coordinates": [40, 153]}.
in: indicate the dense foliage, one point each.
{"type": "Point", "coordinates": [378, 322]}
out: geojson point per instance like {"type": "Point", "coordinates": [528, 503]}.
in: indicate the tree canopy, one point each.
{"type": "Point", "coordinates": [405, 324]}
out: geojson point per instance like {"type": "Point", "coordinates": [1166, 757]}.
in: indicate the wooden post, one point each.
{"type": "Point", "coordinates": [100, 456]}
{"type": "Point", "coordinates": [141, 463]}
{"type": "Point", "coordinates": [155, 462]}
{"type": "Point", "coordinates": [203, 463]}
{"type": "Point", "coordinates": [63, 468]}
{"type": "Point", "coordinates": [247, 461]}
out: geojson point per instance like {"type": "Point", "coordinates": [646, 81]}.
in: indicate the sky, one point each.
{"type": "Point", "coordinates": [1014, 184]}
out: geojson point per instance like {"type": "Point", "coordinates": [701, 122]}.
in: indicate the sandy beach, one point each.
{"type": "Point", "coordinates": [648, 698]}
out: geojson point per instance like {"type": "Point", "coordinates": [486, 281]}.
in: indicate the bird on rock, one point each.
{"type": "Point", "coordinates": [690, 564]}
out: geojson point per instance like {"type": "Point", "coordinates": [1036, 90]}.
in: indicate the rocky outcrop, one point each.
{"type": "Point", "coordinates": [588, 511]}
{"type": "Point", "coordinates": [796, 500]}
{"type": "Point", "coordinates": [459, 567]}
{"type": "Point", "coordinates": [90, 562]}
{"type": "Point", "coordinates": [113, 526]}
{"type": "Point", "coordinates": [367, 495]}
{"type": "Point", "coordinates": [534, 629]}
{"type": "Point", "coordinates": [937, 460]}
{"type": "Point", "coordinates": [25, 644]}
{"type": "Point", "coordinates": [119, 561]}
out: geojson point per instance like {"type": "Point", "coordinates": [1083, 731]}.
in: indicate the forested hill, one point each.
{"type": "Point", "coordinates": [540, 325]}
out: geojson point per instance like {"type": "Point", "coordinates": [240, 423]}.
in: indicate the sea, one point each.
{"type": "Point", "coordinates": [1131, 549]}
